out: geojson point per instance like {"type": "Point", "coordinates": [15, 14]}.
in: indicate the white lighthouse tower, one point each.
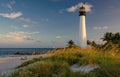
{"type": "Point", "coordinates": [82, 14]}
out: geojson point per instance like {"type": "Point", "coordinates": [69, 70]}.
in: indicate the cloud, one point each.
{"type": "Point", "coordinates": [25, 26]}
{"type": "Point", "coordinates": [16, 37]}
{"type": "Point", "coordinates": [99, 41]}
{"type": "Point", "coordinates": [13, 15]}
{"type": "Point", "coordinates": [26, 33]}
{"type": "Point", "coordinates": [13, 37]}
{"type": "Point", "coordinates": [77, 6]}
{"type": "Point", "coordinates": [18, 16]}
{"type": "Point", "coordinates": [29, 39]}
{"type": "Point", "coordinates": [30, 33]}
{"type": "Point", "coordinates": [58, 37]}
{"type": "Point", "coordinates": [26, 20]}
{"type": "Point", "coordinates": [72, 8]}
{"type": "Point", "coordinates": [14, 27]}
{"type": "Point", "coordinates": [10, 4]}
{"type": "Point", "coordinates": [88, 7]}
{"type": "Point", "coordinates": [100, 28]}
{"type": "Point", "coordinates": [61, 11]}
{"type": "Point", "coordinates": [38, 41]}
{"type": "Point", "coordinates": [19, 27]}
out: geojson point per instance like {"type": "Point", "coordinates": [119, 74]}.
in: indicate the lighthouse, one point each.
{"type": "Point", "coordinates": [82, 14]}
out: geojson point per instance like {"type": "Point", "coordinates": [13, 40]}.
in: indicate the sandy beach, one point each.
{"type": "Point", "coordinates": [8, 64]}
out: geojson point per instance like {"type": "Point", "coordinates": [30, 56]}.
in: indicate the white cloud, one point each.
{"type": "Point", "coordinates": [77, 6]}
{"type": "Point", "coordinates": [24, 19]}
{"type": "Point", "coordinates": [105, 27]}
{"type": "Point", "coordinates": [26, 33]}
{"type": "Point", "coordinates": [19, 27]}
{"type": "Point", "coordinates": [29, 38]}
{"type": "Point", "coordinates": [100, 28]}
{"type": "Point", "coordinates": [11, 15]}
{"type": "Point", "coordinates": [61, 11]}
{"type": "Point", "coordinates": [72, 8]}
{"type": "Point", "coordinates": [14, 27]}
{"type": "Point", "coordinates": [88, 7]}
{"type": "Point", "coordinates": [27, 20]}
{"type": "Point", "coordinates": [25, 26]}
{"type": "Point", "coordinates": [16, 37]}
{"type": "Point", "coordinates": [58, 37]}
{"type": "Point", "coordinates": [10, 4]}
{"type": "Point", "coordinates": [99, 41]}
{"type": "Point", "coordinates": [18, 16]}
{"type": "Point", "coordinates": [13, 37]}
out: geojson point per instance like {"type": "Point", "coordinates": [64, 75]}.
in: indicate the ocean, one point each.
{"type": "Point", "coordinates": [8, 52]}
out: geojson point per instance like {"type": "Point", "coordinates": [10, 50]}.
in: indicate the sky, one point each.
{"type": "Point", "coordinates": [52, 23]}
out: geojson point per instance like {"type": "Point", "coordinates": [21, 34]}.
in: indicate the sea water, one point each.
{"type": "Point", "coordinates": [8, 52]}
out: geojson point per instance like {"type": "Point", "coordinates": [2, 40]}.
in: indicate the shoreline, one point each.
{"type": "Point", "coordinates": [7, 64]}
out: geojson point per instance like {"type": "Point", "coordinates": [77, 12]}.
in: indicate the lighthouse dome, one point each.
{"type": "Point", "coordinates": [82, 8]}
{"type": "Point", "coordinates": [82, 11]}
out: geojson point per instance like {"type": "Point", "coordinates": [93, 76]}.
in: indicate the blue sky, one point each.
{"type": "Point", "coordinates": [51, 23]}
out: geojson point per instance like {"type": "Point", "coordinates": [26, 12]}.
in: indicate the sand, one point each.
{"type": "Point", "coordinates": [8, 64]}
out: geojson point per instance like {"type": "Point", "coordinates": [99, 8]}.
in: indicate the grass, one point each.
{"type": "Point", "coordinates": [44, 69]}
{"type": "Point", "coordinates": [58, 64]}
{"type": "Point", "coordinates": [29, 62]}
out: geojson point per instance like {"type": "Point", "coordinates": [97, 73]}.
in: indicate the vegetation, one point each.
{"type": "Point", "coordinates": [58, 64]}
{"type": "Point", "coordinates": [112, 42]}
{"type": "Point", "coordinates": [70, 43]}
{"type": "Point", "coordinates": [44, 69]}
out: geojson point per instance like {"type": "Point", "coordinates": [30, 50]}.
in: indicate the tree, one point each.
{"type": "Point", "coordinates": [92, 43]}
{"type": "Point", "coordinates": [70, 43]}
{"type": "Point", "coordinates": [116, 38]}
{"type": "Point", "coordinates": [88, 42]}
{"type": "Point", "coordinates": [108, 37]}
{"type": "Point", "coordinates": [112, 41]}
{"type": "Point", "coordinates": [111, 38]}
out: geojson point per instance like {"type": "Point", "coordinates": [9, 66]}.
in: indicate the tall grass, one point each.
{"type": "Point", "coordinates": [58, 64]}
{"type": "Point", "coordinates": [44, 69]}
{"type": "Point", "coordinates": [30, 62]}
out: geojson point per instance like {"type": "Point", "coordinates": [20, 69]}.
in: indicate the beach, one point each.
{"type": "Point", "coordinates": [8, 64]}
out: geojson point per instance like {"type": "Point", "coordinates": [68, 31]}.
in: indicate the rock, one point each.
{"type": "Point", "coordinates": [22, 53]}
{"type": "Point", "coordinates": [84, 69]}
{"type": "Point", "coordinates": [38, 53]}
